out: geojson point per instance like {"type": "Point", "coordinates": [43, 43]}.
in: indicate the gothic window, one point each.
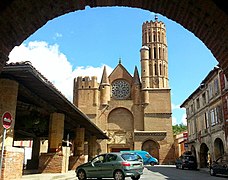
{"type": "Point", "coordinates": [155, 69]}
{"type": "Point", "coordinates": [149, 53]}
{"type": "Point", "coordinates": [154, 36]}
{"type": "Point", "coordinates": [149, 38]}
{"type": "Point", "coordinates": [155, 54]}
{"type": "Point", "coordinates": [160, 66]}
{"type": "Point", "coordinates": [158, 36]}
{"type": "Point", "coordinates": [159, 53]}
{"type": "Point", "coordinates": [120, 89]}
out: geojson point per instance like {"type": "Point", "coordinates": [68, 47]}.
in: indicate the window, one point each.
{"type": "Point", "coordinates": [155, 69]}
{"type": "Point", "coordinates": [210, 91]}
{"type": "Point", "coordinates": [155, 54]}
{"type": "Point", "coordinates": [160, 66]}
{"type": "Point", "coordinates": [197, 103]}
{"type": "Point", "coordinates": [111, 157]}
{"type": "Point", "coordinates": [204, 99]}
{"type": "Point", "coordinates": [149, 38]}
{"type": "Point", "coordinates": [206, 120]}
{"type": "Point", "coordinates": [216, 115]}
{"type": "Point", "coordinates": [149, 53]}
{"type": "Point", "coordinates": [192, 108]}
{"type": "Point", "coordinates": [154, 36]}
{"type": "Point", "coordinates": [216, 86]}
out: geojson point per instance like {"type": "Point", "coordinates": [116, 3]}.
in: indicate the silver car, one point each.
{"type": "Point", "coordinates": [112, 165]}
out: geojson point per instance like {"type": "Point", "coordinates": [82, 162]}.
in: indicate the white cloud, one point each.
{"type": "Point", "coordinates": [183, 119]}
{"type": "Point", "coordinates": [54, 65]}
{"type": "Point", "coordinates": [174, 121]}
{"type": "Point", "coordinates": [175, 106]}
{"type": "Point", "coordinates": [58, 35]}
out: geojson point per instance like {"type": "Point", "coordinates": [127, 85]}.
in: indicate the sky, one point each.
{"type": "Point", "coordinates": [81, 43]}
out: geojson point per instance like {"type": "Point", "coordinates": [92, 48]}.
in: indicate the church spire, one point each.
{"type": "Point", "coordinates": [136, 79]}
{"type": "Point", "coordinates": [104, 78]}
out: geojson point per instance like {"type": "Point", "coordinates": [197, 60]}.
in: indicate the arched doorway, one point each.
{"type": "Point", "coordinates": [218, 148]}
{"type": "Point", "coordinates": [193, 150]}
{"type": "Point", "coordinates": [152, 147]}
{"type": "Point", "coordinates": [203, 155]}
{"type": "Point", "coordinates": [120, 127]}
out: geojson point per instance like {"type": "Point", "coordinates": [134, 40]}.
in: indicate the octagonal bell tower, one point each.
{"type": "Point", "coordinates": [154, 37]}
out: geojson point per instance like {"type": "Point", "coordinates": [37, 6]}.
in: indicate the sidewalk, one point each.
{"type": "Point", "coordinates": [70, 175]}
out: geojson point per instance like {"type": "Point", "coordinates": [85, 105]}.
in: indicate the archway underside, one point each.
{"type": "Point", "coordinates": [206, 19]}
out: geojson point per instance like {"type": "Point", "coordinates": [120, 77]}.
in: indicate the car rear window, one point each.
{"type": "Point", "coordinates": [130, 157]}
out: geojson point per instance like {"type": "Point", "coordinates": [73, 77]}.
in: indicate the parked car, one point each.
{"type": "Point", "coordinates": [147, 158]}
{"type": "Point", "coordinates": [112, 165]}
{"type": "Point", "coordinates": [220, 166]}
{"type": "Point", "coordinates": [186, 161]}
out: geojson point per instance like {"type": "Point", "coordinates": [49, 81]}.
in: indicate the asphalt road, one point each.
{"type": "Point", "coordinates": [159, 172]}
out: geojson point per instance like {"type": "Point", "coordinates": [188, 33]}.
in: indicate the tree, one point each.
{"type": "Point", "coordinates": [178, 128]}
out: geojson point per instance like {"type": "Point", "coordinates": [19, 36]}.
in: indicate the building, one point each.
{"type": "Point", "coordinates": [134, 112]}
{"type": "Point", "coordinates": [180, 143]}
{"type": "Point", "coordinates": [40, 113]}
{"type": "Point", "coordinates": [205, 120]}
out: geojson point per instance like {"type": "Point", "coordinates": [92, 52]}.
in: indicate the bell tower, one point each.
{"type": "Point", "coordinates": [154, 37]}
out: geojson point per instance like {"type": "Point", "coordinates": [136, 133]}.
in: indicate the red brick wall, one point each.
{"type": "Point", "coordinates": [12, 165]}
{"type": "Point", "coordinates": [75, 161]}
{"type": "Point", "coordinates": [51, 163]}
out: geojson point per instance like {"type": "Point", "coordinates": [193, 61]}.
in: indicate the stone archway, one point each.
{"type": "Point", "coordinates": [151, 147]}
{"type": "Point", "coordinates": [203, 155]}
{"type": "Point", "coordinates": [218, 148]}
{"type": "Point", "coordinates": [120, 119]}
{"type": "Point", "coordinates": [193, 150]}
{"type": "Point", "coordinates": [208, 20]}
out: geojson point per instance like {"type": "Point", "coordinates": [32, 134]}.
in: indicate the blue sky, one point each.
{"type": "Point", "coordinates": [82, 42]}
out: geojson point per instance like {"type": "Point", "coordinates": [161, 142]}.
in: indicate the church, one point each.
{"type": "Point", "coordinates": [134, 111]}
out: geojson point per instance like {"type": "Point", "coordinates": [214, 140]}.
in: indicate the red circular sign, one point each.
{"type": "Point", "coordinates": [6, 120]}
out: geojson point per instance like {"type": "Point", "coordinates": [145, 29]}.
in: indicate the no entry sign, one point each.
{"type": "Point", "coordinates": [7, 120]}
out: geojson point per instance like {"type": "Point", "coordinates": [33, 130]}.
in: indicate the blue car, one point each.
{"type": "Point", "coordinates": [147, 158]}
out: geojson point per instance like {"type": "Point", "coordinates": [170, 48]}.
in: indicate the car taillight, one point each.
{"type": "Point", "coordinates": [126, 164]}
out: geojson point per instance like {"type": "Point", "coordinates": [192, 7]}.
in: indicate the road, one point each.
{"type": "Point", "coordinates": [171, 173]}
{"type": "Point", "coordinates": [159, 172]}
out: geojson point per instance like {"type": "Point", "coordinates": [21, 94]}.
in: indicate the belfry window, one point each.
{"type": "Point", "coordinates": [149, 53]}
{"type": "Point", "coordinates": [155, 69]}
{"type": "Point", "coordinates": [160, 67]}
{"type": "Point", "coordinates": [154, 36]}
{"type": "Point", "coordinates": [155, 54]}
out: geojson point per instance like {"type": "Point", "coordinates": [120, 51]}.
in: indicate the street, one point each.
{"type": "Point", "coordinates": [171, 173]}
{"type": "Point", "coordinates": [160, 172]}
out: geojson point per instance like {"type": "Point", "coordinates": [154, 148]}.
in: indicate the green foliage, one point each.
{"type": "Point", "coordinates": [178, 128]}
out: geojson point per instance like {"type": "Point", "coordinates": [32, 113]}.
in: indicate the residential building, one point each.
{"type": "Point", "coordinates": [205, 120]}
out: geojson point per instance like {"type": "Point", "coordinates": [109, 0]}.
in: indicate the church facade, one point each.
{"type": "Point", "coordinates": [134, 112]}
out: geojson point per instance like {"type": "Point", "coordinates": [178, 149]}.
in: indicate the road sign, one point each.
{"type": "Point", "coordinates": [7, 120]}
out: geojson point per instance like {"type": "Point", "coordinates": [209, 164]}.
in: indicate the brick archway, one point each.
{"type": "Point", "coordinates": [208, 20]}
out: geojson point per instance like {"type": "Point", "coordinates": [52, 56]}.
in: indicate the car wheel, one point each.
{"type": "Point", "coordinates": [135, 177]}
{"type": "Point", "coordinates": [81, 175]}
{"type": "Point", "coordinates": [152, 163]}
{"type": "Point", "coordinates": [118, 175]}
{"type": "Point", "coordinates": [212, 173]}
